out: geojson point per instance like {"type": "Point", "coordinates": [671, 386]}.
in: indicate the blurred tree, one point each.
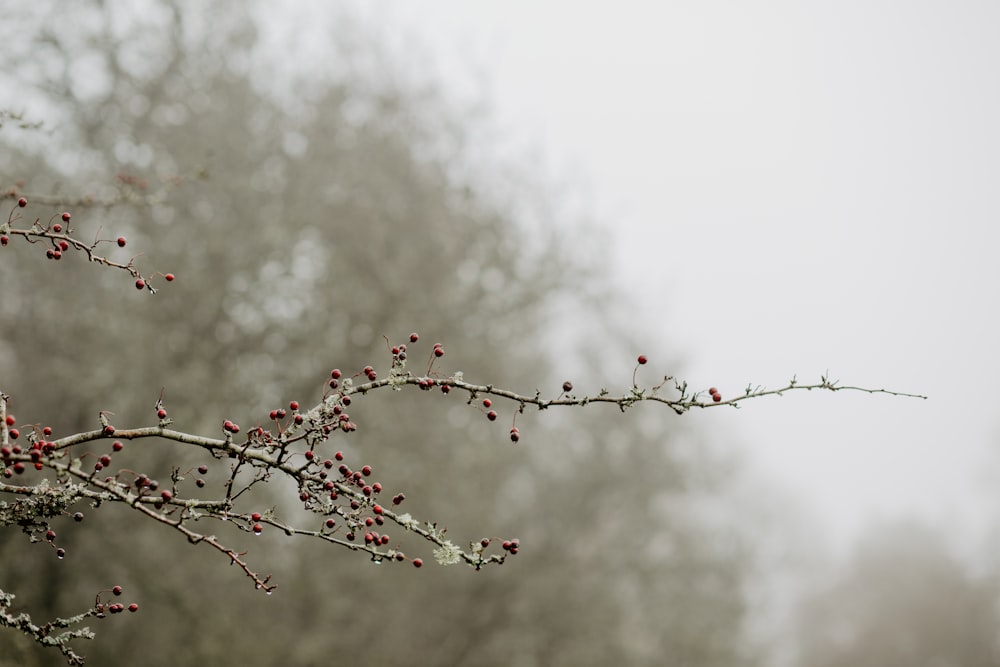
{"type": "Point", "coordinates": [903, 600]}
{"type": "Point", "coordinates": [329, 214]}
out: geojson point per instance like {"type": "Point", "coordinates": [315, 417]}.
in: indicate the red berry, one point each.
{"type": "Point", "coordinates": [60, 553]}
{"type": "Point", "coordinates": [50, 253]}
{"type": "Point", "coordinates": [14, 433]}
{"type": "Point", "coordinates": [567, 386]}
{"type": "Point", "coordinates": [4, 240]}
{"type": "Point", "coordinates": [18, 467]}
{"type": "Point", "coordinates": [56, 254]}
{"type": "Point", "coordinates": [339, 456]}
{"type": "Point", "coordinates": [166, 495]}
{"type": "Point", "coordinates": [487, 402]}
{"type": "Point", "coordinates": [713, 390]}
{"type": "Point", "coordinates": [417, 562]}
{"type": "Point", "coordinates": [310, 455]}
{"type": "Point", "coordinates": [203, 470]}
{"type": "Point", "coordinates": [11, 420]}
{"type": "Point", "coordinates": [117, 446]}
{"type": "Point", "coordinates": [515, 435]}
{"type": "Point", "coordinates": [65, 217]}
{"type": "Point", "coordinates": [63, 246]}
{"type": "Point", "coordinates": [78, 517]}
{"type": "Point", "coordinates": [57, 228]}
{"type": "Point", "coordinates": [335, 373]}
{"type": "Point", "coordinates": [485, 542]}
{"type": "Point", "coordinates": [438, 352]}
{"type": "Point", "coordinates": [169, 277]}
{"type": "Point", "coordinates": [294, 405]}
{"type": "Point", "coordinates": [161, 413]}
{"type": "Point", "coordinates": [642, 359]}
{"type": "Point", "coordinates": [133, 607]}
{"type": "Point", "coordinates": [117, 590]}
{"type": "Point", "coordinates": [140, 283]}
{"type": "Point", "coordinates": [255, 516]}
{"type": "Point", "coordinates": [109, 430]}
{"type": "Point", "coordinates": [105, 460]}
{"type": "Point", "coordinates": [50, 535]}
{"type": "Point", "coordinates": [22, 202]}
{"type": "Point", "coordinates": [491, 415]}
{"type": "Point", "coordinates": [258, 529]}
{"type": "Point", "coordinates": [121, 241]}
{"type": "Point", "coordinates": [366, 470]}
{"type": "Point", "coordinates": [398, 498]}
{"type": "Point", "coordinates": [414, 337]}
{"type": "Point", "coordinates": [377, 509]}
{"type": "Point", "coordinates": [716, 397]}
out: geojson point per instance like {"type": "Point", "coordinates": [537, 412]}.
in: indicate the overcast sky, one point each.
{"type": "Point", "coordinates": [791, 187]}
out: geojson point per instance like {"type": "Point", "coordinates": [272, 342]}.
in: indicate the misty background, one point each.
{"type": "Point", "coordinates": [743, 193]}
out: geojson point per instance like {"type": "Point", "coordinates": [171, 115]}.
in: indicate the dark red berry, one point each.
{"type": "Point", "coordinates": [14, 433]}
{"type": "Point", "coordinates": [161, 413]}
{"type": "Point", "coordinates": [202, 470]}
{"type": "Point", "coordinates": [414, 337]}
{"type": "Point", "coordinates": [121, 241]}
{"type": "Point", "coordinates": [491, 415]}
{"type": "Point", "coordinates": [11, 420]}
{"type": "Point", "coordinates": [166, 495]}
{"type": "Point", "coordinates": [366, 470]}
{"type": "Point", "coordinates": [169, 277]}
{"type": "Point", "coordinates": [140, 283]}
{"type": "Point", "coordinates": [258, 529]}
{"type": "Point", "coordinates": [567, 386]}
{"type": "Point", "coordinates": [294, 405]}
{"type": "Point", "coordinates": [117, 446]}
{"type": "Point", "coordinates": [65, 217]}
{"type": "Point", "coordinates": [417, 562]}
{"type": "Point", "coordinates": [4, 240]}
{"type": "Point", "coordinates": [50, 535]}
{"type": "Point", "coordinates": [60, 553]}
{"type": "Point", "coordinates": [717, 397]}
{"type": "Point", "coordinates": [78, 517]}
{"type": "Point", "coordinates": [642, 359]}
{"type": "Point", "coordinates": [22, 202]}
{"type": "Point", "coordinates": [57, 227]}
{"type": "Point", "coordinates": [133, 607]}
{"type": "Point", "coordinates": [117, 590]}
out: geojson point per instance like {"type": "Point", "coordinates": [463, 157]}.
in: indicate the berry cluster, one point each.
{"type": "Point", "coordinates": [58, 237]}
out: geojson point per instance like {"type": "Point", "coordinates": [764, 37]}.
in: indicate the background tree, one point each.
{"type": "Point", "coordinates": [902, 599]}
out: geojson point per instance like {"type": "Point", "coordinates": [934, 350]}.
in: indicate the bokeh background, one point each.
{"type": "Point", "coordinates": [744, 193]}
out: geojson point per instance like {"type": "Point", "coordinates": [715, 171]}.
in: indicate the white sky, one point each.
{"type": "Point", "coordinates": [792, 187]}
